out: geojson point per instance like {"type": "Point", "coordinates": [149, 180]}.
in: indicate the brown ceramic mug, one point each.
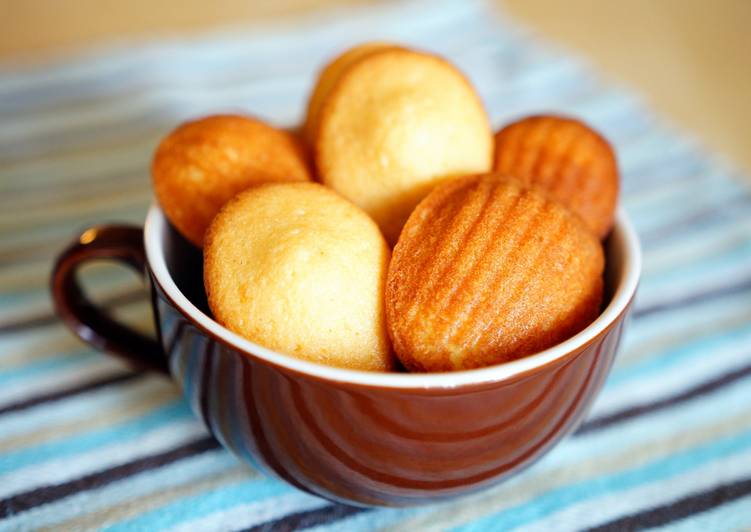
{"type": "Point", "coordinates": [390, 439]}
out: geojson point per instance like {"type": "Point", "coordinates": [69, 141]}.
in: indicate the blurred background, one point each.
{"type": "Point", "coordinates": [691, 59]}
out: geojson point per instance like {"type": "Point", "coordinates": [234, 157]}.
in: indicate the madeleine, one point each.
{"type": "Point", "coordinates": [297, 268]}
{"type": "Point", "coordinates": [396, 123]}
{"type": "Point", "coordinates": [486, 271]}
{"type": "Point", "coordinates": [567, 158]}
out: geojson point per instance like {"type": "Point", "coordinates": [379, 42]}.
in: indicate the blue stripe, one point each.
{"type": "Point", "coordinates": [683, 321]}
{"type": "Point", "coordinates": [737, 254]}
{"type": "Point", "coordinates": [197, 506]}
{"type": "Point", "coordinates": [185, 472]}
{"type": "Point", "coordinates": [76, 407]}
{"type": "Point", "coordinates": [46, 366]}
{"type": "Point", "coordinates": [53, 450]}
{"type": "Point", "coordinates": [678, 205]}
{"type": "Point", "coordinates": [683, 354]}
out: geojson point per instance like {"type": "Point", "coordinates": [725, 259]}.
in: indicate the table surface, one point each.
{"type": "Point", "coordinates": [691, 59]}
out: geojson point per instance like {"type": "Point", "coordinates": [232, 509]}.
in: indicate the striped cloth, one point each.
{"type": "Point", "coordinates": [85, 443]}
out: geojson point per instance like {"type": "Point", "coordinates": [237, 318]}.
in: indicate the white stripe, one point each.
{"type": "Point", "coordinates": [661, 194]}
{"type": "Point", "coordinates": [656, 147]}
{"type": "Point", "coordinates": [675, 344]}
{"type": "Point", "coordinates": [612, 506]}
{"type": "Point", "coordinates": [170, 102]}
{"type": "Point", "coordinates": [728, 356]}
{"type": "Point", "coordinates": [699, 244]}
{"type": "Point", "coordinates": [731, 516]}
{"type": "Point", "coordinates": [53, 339]}
{"type": "Point", "coordinates": [638, 431]}
{"type": "Point", "coordinates": [96, 403]}
{"type": "Point", "coordinates": [95, 368]}
{"type": "Point", "coordinates": [253, 513]}
{"type": "Point", "coordinates": [136, 198]}
{"type": "Point", "coordinates": [680, 203]}
{"type": "Point", "coordinates": [56, 340]}
{"type": "Point", "coordinates": [184, 472]}
{"type": "Point", "coordinates": [654, 292]}
{"type": "Point", "coordinates": [107, 189]}
{"type": "Point", "coordinates": [103, 457]}
{"type": "Point", "coordinates": [655, 334]}
{"type": "Point", "coordinates": [376, 520]}
{"type": "Point", "coordinates": [25, 278]}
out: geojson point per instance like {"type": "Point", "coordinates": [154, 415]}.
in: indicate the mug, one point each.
{"type": "Point", "coordinates": [356, 437]}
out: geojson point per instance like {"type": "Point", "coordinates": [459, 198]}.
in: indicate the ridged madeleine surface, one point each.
{"type": "Point", "coordinates": [200, 165]}
{"type": "Point", "coordinates": [570, 160]}
{"type": "Point", "coordinates": [488, 270]}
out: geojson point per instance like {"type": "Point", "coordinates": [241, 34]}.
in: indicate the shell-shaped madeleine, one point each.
{"type": "Point", "coordinates": [489, 270]}
{"type": "Point", "coordinates": [568, 159]}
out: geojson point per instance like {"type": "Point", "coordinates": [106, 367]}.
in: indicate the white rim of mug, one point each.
{"type": "Point", "coordinates": [624, 292]}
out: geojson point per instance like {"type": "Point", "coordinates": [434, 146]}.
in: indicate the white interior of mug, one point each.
{"type": "Point", "coordinates": [623, 267]}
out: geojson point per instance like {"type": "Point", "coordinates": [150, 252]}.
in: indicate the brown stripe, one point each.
{"type": "Point", "coordinates": [308, 519]}
{"type": "Point", "coordinates": [47, 494]}
{"type": "Point", "coordinates": [159, 497]}
{"type": "Point", "coordinates": [694, 299]}
{"type": "Point", "coordinates": [704, 388]}
{"type": "Point", "coordinates": [67, 393]}
{"type": "Point", "coordinates": [679, 509]}
{"type": "Point", "coordinates": [696, 218]}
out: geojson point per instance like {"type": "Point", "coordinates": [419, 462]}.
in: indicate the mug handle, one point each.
{"type": "Point", "coordinates": [119, 243]}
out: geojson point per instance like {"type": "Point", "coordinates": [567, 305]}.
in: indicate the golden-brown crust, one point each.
{"type": "Point", "coordinates": [395, 124]}
{"type": "Point", "coordinates": [488, 270]}
{"type": "Point", "coordinates": [570, 160]}
{"type": "Point", "coordinates": [200, 165]}
{"type": "Point", "coordinates": [297, 268]}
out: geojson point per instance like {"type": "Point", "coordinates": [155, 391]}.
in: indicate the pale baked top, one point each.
{"type": "Point", "coordinates": [396, 123]}
{"type": "Point", "coordinates": [297, 268]}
